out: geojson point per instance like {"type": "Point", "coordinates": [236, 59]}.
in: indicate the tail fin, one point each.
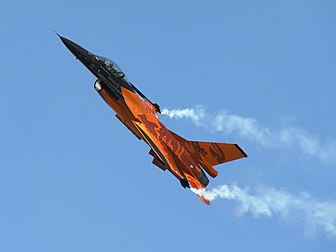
{"type": "Point", "coordinates": [209, 154]}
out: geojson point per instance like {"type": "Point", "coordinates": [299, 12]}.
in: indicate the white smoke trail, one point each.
{"type": "Point", "coordinates": [317, 216]}
{"type": "Point", "coordinates": [250, 129]}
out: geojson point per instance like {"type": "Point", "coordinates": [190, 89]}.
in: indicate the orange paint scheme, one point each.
{"type": "Point", "coordinates": [186, 160]}
{"type": "Point", "coordinates": [183, 158]}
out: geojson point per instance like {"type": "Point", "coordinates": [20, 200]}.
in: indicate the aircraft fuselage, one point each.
{"type": "Point", "coordinates": [170, 152]}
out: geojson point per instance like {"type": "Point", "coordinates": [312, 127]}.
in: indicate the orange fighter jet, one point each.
{"type": "Point", "coordinates": [186, 160]}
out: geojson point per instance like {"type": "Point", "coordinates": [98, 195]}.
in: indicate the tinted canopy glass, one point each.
{"type": "Point", "coordinates": [112, 67]}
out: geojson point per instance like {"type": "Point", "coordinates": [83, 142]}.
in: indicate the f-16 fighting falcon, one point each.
{"type": "Point", "coordinates": [186, 160]}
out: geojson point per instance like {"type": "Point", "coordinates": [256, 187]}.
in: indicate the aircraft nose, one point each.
{"type": "Point", "coordinates": [76, 50]}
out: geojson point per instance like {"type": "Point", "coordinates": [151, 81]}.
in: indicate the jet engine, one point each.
{"type": "Point", "coordinates": [203, 178]}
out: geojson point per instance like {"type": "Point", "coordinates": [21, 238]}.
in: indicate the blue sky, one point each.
{"type": "Point", "coordinates": [74, 179]}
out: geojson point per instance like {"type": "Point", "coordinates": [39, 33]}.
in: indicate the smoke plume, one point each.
{"type": "Point", "coordinates": [315, 215]}
{"type": "Point", "coordinates": [250, 129]}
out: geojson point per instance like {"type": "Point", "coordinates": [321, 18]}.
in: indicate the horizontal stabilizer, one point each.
{"type": "Point", "coordinates": [196, 185]}
{"type": "Point", "coordinates": [204, 199]}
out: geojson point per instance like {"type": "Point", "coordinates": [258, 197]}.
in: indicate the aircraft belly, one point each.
{"type": "Point", "coordinates": [159, 149]}
{"type": "Point", "coordinates": [118, 106]}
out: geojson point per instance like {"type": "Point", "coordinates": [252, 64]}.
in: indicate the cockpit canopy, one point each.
{"type": "Point", "coordinates": [111, 67]}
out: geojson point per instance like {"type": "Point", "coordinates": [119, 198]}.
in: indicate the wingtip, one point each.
{"type": "Point", "coordinates": [241, 150]}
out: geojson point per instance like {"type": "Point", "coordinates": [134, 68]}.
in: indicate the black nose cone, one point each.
{"type": "Point", "coordinates": [76, 50]}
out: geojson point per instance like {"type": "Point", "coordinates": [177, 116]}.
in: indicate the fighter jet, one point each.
{"type": "Point", "coordinates": [188, 161]}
